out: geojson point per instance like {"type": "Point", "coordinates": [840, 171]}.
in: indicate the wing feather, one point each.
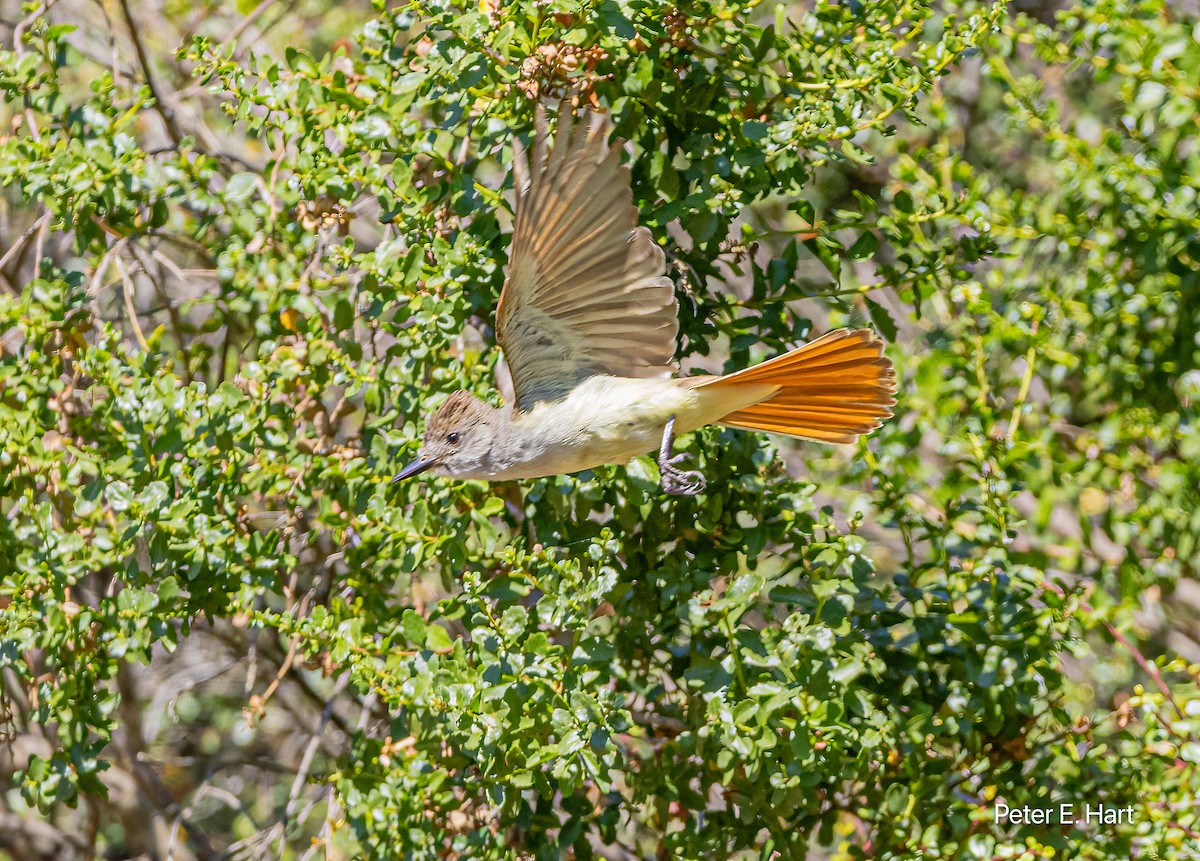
{"type": "Point", "coordinates": [586, 292]}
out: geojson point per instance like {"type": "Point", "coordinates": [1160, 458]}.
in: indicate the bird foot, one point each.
{"type": "Point", "coordinates": [681, 482]}
{"type": "Point", "coordinates": [675, 481]}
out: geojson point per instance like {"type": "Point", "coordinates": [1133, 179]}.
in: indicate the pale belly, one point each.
{"type": "Point", "coordinates": [605, 420]}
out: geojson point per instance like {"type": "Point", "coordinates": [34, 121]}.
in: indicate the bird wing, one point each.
{"type": "Point", "coordinates": [585, 292]}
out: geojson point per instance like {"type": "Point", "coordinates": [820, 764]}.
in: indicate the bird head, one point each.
{"type": "Point", "coordinates": [458, 439]}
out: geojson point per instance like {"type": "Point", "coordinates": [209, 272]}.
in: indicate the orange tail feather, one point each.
{"type": "Point", "coordinates": [831, 390]}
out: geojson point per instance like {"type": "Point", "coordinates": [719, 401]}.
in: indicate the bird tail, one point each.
{"type": "Point", "coordinates": [831, 390]}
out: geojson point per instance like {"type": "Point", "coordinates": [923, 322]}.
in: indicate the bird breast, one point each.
{"type": "Point", "coordinates": [603, 420]}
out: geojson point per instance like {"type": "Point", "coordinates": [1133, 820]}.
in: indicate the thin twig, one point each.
{"type": "Point", "coordinates": [22, 239]}
{"type": "Point", "coordinates": [19, 48]}
{"type": "Point", "coordinates": [251, 16]}
{"type": "Point", "coordinates": [226, 346]}
{"type": "Point", "coordinates": [322, 840]}
{"type": "Point", "coordinates": [130, 310]}
{"type": "Point", "coordinates": [1014, 421]}
{"type": "Point", "coordinates": [1151, 670]}
{"type": "Point", "coordinates": [306, 760]}
{"type": "Point", "coordinates": [270, 25]}
{"type": "Point", "coordinates": [164, 296]}
{"type": "Point", "coordinates": [160, 104]}
{"type": "Point", "coordinates": [97, 283]}
{"type": "Point", "coordinates": [37, 249]}
{"type": "Point", "coordinates": [25, 23]}
{"type": "Point", "coordinates": [284, 668]}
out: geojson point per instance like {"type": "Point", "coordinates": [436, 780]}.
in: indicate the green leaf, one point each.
{"type": "Point", "coordinates": [864, 246]}
{"type": "Point", "coordinates": [414, 627]}
{"type": "Point", "coordinates": [168, 590]}
{"type": "Point", "coordinates": [240, 187]}
{"type": "Point", "coordinates": [153, 495]}
{"type": "Point", "coordinates": [881, 318]}
{"type": "Point", "coordinates": [119, 495]}
{"type": "Point", "coordinates": [437, 638]}
{"type": "Point", "coordinates": [507, 588]}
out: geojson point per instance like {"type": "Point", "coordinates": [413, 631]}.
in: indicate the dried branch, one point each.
{"type": "Point", "coordinates": [20, 244]}
{"type": "Point", "coordinates": [129, 308]}
{"type": "Point", "coordinates": [160, 105]}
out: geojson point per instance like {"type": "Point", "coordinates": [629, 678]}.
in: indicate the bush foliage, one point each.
{"type": "Point", "coordinates": [247, 249]}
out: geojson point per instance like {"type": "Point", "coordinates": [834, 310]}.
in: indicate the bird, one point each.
{"type": "Point", "coordinates": [587, 323]}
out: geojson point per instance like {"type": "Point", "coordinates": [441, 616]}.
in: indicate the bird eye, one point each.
{"type": "Point", "coordinates": [452, 437]}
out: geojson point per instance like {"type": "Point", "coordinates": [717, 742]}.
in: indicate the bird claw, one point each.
{"type": "Point", "coordinates": [679, 482]}
{"type": "Point", "coordinates": [675, 481]}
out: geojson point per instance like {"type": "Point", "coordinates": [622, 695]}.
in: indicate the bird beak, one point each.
{"type": "Point", "coordinates": [417, 467]}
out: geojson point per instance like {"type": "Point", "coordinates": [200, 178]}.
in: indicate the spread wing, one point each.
{"type": "Point", "coordinates": [585, 292]}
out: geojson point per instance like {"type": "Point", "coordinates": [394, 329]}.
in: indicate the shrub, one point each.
{"type": "Point", "coordinates": [238, 276]}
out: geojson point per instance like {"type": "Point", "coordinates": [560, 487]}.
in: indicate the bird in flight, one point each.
{"type": "Point", "coordinates": [587, 322]}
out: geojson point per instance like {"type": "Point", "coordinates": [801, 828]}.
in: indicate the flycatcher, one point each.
{"type": "Point", "coordinates": [587, 322]}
